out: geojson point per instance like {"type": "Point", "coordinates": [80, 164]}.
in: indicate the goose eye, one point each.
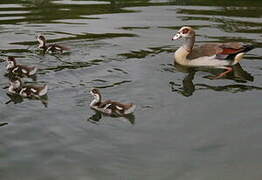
{"type": "Point", "coordinates": [185, 31]}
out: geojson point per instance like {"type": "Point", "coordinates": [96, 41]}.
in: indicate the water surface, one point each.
{"type": "Point", "coordinates": [186, 125]}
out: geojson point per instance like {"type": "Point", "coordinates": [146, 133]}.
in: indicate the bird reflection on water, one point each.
{"type": "Point", "coordinates": [16, 98]}
{"type": "Point", "coordinates": [10, 76]}
{"type": "Point", "coordinates": [187, 88]}
{"type": "Point", "coordinates": [96, 118]}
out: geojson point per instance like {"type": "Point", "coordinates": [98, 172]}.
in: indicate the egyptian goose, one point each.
{"type": "Point", "coordinates": [217, 55]}
{"type": "Point", "coordinates": [18, 69]}
{"type": "Point", "coordinates": [17, 87]}
{"type": "Point", "coordinates": [51, 48]}
{"type": "Point", "coordinates": [109, 107]}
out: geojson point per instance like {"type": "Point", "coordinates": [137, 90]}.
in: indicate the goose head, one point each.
{"type": "Point", "coordinates": [184, 32]}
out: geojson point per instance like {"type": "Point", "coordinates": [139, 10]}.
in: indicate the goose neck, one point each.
{"type": "Point", "coordinates": [189, 43]}
{"type": "Point", "coordinates": [97, 100]}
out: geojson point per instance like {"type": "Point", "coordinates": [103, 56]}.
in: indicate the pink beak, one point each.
{"type": "Point", "coordinates": [177, 36]}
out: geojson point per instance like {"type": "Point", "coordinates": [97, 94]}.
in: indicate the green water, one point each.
{"type": "Point", "coordinates": [186, 126]}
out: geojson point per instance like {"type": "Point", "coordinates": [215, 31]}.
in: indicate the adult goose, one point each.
{"type": "Point", "coordinates": [217, 55]}
{"type": "Point", "coordinates": [109, 107]}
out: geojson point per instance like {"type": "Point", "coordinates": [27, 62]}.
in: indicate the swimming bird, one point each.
{"type": "Point", "coordinates": [17, 87]}
{"type": "Point", "coordinates": [216, 55]}
{"type": "Point", "coordinates": [51, 48]}
{"type": "Point", "coordinates": [18, 69]}
{"type": "Point", "coordinates": [109, 107]}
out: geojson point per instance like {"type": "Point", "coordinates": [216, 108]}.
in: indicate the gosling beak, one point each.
{"type": "Point", "coordinates": [177, 36]}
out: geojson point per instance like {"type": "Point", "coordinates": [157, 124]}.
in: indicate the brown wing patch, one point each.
{"type": "Point", "coordinates": [230, 51]}
{"type": "Point", "coordinates": [124, 106]}
{"type": "Point", "coordinates": [103, 104]}
{"type": "Point", "coordinates": [205, 50]}
{"type": "Point", "coordinates": [210, 49]}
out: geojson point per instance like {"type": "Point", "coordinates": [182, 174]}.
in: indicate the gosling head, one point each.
{"type": "Point", "coordinates": [41, 39]}
{"type": "Point", "coordinates": [96, 94]}
{"type": "Point", "coordinates": [11, 62]}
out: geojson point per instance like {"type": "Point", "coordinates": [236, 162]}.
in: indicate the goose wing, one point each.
{"type": "Point", "coordinates": [220, 50]}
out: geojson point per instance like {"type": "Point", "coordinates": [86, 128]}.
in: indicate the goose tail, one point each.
{"type": "Point", "coordinates": [248, 48]}
{"type": "Point", "coordinates": [33, 71]}
{"type": "Point", "coordinates": [43, 91]}
{"type": "Point", "coordinates": [130, 110]}
{"type": "Point", "coordinates": [240, 55]}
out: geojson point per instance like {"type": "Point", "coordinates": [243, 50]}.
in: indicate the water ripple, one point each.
{"type": "Point", "coordinates": [113, 84]}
